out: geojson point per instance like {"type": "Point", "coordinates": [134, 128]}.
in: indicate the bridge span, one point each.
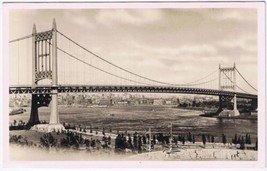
{"type": "Point", "coordinates": [45, 66]}
{"type": "Point", "coordinates": [125, 88]}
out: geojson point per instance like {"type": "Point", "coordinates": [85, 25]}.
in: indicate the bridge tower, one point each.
{"type": "Point", "coordinates": [44, 66]}
{"type": "Point", "coordinates": [227, 81]}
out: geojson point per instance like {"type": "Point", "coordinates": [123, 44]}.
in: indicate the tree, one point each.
{"type": "Point", "coordinates": [87, 142]}
{"type": "Point", "coordinates": [246, 139]}
{"type": "Point", "coordinates": [120, 142]}
{"type": "Point", "coordinates": [48, 140]}
{"type": "Point", "coordinates": [235, 139]}
{"type": "Point", "coordinates": [256, 145]}
{"type": "Point", "coordinates": [91, 130]}
{"type": "Point", "coordinates": [109, 140]}
{"type": "Point", "coordinates": [183, 140]}
{"type": "Point", "coordinates": [93, 143]}
{"type": "Point", "coordinates": [204, 139]}
{"type": "Point", "coordinates": [130, 144]}
{"type": "Point", "coordinates": [135, 140]}
{"type": "Point", "coordinates": [223, 139]}
{"type": "Point", "coordinates": [139, 144]}
{"type": "Point", "coordinates": [189, 137]}
{"type": "Point", "coordinates": [144, 139]}
{"type": "Point", "coordinates": [242, 143]}
{"type": "Point", "coordinates": [238, 140]}
{"type": "Point", "coordinates": [212, 139]}
{"type": "Point", "coordinates": [15, 122]}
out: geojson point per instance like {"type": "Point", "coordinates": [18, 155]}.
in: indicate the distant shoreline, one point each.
{"type": "Point", "coordinates": [214, 115]}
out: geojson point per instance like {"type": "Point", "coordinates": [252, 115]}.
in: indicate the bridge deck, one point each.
{"type": "Point", "coordinates": [126, 88]}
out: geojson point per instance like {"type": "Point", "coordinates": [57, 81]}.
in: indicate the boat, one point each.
{"type": "Point", "coordinates": [17, 111]}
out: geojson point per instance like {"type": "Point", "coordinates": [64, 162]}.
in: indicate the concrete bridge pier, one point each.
{"type": "Point", "coordinates": [38, 100]}
{"type": "Point", "coordinates": [34, 117]}
{"type": "Point", "coordinates": [54, 124]}
{"type": "Point", "coordinates": [223, 111]}
{"type": "Point", "coordinates": [236, 112]}
{"type": "Point", "coordinates": [254, 104]}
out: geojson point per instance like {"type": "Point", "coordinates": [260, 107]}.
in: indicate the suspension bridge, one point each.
{"type": "Point", "coordinates": [54, 56]}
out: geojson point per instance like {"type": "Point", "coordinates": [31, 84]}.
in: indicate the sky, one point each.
{"type": "Point", "coordinates": [171, 45]}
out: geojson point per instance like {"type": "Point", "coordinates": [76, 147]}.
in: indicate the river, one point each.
{"type": "Point", "coordinates": [158, 118]}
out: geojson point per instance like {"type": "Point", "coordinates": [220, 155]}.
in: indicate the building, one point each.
{"type": "Point", "coordinates": [158, 102]}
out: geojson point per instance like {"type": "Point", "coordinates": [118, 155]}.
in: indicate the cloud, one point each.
{"type": "Point", "coordinates": [129, 16]}
{"type": "Point", "coordinates": [244, 43]}
{"type": "Point", "coordinates": [167, 56]}
{"type": "Point", "coordinates": [165, 44]}
{"type": "Point", "coordinates": [242, 50]}
{"type": "Point", "coordinates": [237, 14]}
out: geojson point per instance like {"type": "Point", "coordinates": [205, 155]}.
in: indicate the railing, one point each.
{"type": "Point", "coordinates": [126, 88]}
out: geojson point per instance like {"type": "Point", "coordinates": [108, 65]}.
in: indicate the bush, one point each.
{"type": "Point", "coordinates": [48, 141]}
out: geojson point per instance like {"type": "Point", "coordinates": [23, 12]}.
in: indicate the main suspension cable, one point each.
{"type": "Point", "coordinates": [234, 83]}
{"type": "Point", "coordinates": [21, 38]}
{"type": "Point", "coordinates": [137, 75]}
{"type": "Point", "coordinates": [203, 82]}
{"type": "Point", "coordinates": [76, 58]}
{"type": "Point", "coordinates": [213, 72]}
{"type": "Point", "coordinates": [246, 80]}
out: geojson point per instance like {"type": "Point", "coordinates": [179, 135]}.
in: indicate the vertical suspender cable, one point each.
{"type": "Point", "coordinates": [38, 56]}
{"type": "Point", "coordinates": [49, 54]}
{"type": "Point", "coordinates": [64, 68]}
{"type": "Point", "coordinates": [77, 69]}
{"type": "Point", "coordinates": [42, 56]}
{"type": "Point", "coordinates": [18, 62]}
{"type": "Point", "coordinates": [70, 68]}
{"type": "Point", "coordinates": [88, 74]}
{"type": "Point", "coordinates": [27, 68]}
{"type": "Point", "coordinates": [227, 80]}
{"type": "Point", "coordinates": [93, 81]}
{"type": "Point", "coordinates": [83, 82]}
{"type": "Point", "coordinates": [231, 78]}
{"type": "Point", "coordinates": [45, 56]}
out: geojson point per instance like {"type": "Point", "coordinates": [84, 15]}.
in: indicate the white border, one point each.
{"type": "Point", "coordinates": [260, 164]}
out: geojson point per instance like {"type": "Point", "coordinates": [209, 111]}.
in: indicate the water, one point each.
{"type": "Point", "coordinates": [158, 118]}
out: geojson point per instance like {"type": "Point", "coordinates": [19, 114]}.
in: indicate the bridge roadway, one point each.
{"type": "Point", "coordinates": [127, 88]}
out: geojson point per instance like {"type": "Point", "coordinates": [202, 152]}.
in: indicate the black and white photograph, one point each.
{"type": "Point", "coordinates": [140, 82]}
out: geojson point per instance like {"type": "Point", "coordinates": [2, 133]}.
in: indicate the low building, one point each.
{"type": "Point", "coordinates": [122, 103]}
{"type": "Point", "coordinates": [107, 102]}
{"type": "Point", "coordinates": [158, 102]}
{"type": "Point", "coordinates": [168, 102]}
